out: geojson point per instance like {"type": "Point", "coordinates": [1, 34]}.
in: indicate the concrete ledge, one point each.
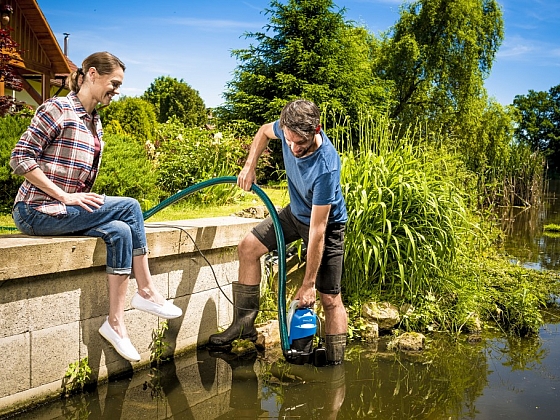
{"type": "Point", "coordinates": [52, 254]}
{"type": "Point", "coordinates": [54, 299]}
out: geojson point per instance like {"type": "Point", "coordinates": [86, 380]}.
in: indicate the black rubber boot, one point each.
{"type": "Point", "coordinates": [335, 345]}
{"type": "Point", "coordinates": [245, 311]}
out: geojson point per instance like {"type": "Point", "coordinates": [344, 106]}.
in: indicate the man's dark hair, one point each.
{"type": "Point", "coordinates": [301, 117]}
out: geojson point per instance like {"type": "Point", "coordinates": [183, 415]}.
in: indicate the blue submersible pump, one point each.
{"type": "Point", "coordinates": [302, 327]}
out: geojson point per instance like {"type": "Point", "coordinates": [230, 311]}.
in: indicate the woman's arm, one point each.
{"type": "Point", "coordinates": [86, 200]}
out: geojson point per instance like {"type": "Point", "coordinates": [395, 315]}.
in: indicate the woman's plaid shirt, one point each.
{"type": "Point", "coordinates": [59, 142]}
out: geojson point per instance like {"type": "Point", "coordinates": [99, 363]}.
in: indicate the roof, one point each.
{"type": "Point", "coordinates": [47, 41]}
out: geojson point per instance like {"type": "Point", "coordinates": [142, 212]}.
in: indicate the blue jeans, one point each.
{"type": "Point", "coordinates": [118, 221]}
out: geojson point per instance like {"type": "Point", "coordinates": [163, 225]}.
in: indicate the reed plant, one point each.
{"type": "Point", "coordinates": [405, 214]}
{"type": "Point", "coordinates": [516, 180]}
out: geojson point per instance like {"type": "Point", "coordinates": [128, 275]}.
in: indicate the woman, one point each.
{"type": "Point", "coordinates": [59, 156]}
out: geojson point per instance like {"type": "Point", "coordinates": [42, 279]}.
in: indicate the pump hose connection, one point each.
{"type": "Point", "coordinates": [280, 243]}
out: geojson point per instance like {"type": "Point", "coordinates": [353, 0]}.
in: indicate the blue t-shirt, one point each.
{"type": "Point", "coordinates": [313, 180]}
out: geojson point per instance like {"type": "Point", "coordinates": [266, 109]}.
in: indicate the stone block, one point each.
{"type": "Point", "coordinates": [225, 307]}
{"type": "Point", "coordinates": [198, 321]}
{"type": "Point", "coordinates": [48, 255]}
{"type": "Point", "coordinates": [100, 352]}
{"type": "Point", "coordinates": [94, 296]}
{"type": "Point", "coordinates": [14, 308]}
{"type": "Point", "coordinates": [208, 233]}
{"type": "Point", "coordinates": [53, 301]}
{"type": "Point", "coordinates": [90, 339]}
{"type": "Point", "coordinates": [15, 375]}
{"type": "Point", "coordinates": [162, 241]}
{"type": "Point", "coordinates": [53, 349]}
{"type": "Point", "coordinates": [140, 326]}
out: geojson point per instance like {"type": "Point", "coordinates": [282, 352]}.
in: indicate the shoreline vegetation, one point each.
{"type": "Point", "coordinates": [417, 236]}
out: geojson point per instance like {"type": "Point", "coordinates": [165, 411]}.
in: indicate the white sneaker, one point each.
{"type": "Point", "coordinates": [123, 346]}
{"type": "Point", "coordinates": [166, 311]}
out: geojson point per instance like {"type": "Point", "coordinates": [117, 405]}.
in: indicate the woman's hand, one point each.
{"type": "Point", "coordinates": [88, 201]}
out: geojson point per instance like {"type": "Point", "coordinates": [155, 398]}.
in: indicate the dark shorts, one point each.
{"type": "Point", "coordinates": [330, 272]}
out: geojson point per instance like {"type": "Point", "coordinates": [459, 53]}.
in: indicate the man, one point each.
{"type": "Point", "coordinates": [316, 213]}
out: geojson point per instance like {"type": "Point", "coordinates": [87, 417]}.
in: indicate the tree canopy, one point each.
{"type": "Point", "coordinates": [130, 116]}
{"type": "Point", "coordinates": [307, 50]}
{"type": "Point", "coordinates": [172, 97]}
{"type": "Point", "coordinates": [437, 56]}
{"type": "Point", "coordinates": [539, 124]}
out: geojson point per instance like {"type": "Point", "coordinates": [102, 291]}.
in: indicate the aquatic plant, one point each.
{"type": "Point", "coordinates": [551, 227]}
{"type": "Point", "coordinates": [158, 345]}
{"type": "Point", "coordinates": [405, 214]}
{"type": "Point", "coordinates": [76, 377]}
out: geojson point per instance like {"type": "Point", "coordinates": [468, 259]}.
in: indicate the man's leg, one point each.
{"type": "Point", "coordinates": [246, 294]}
{"type": "Point", "coordinates": [250, 250]}
{"type": "Point", "coordinates": [336, 327]}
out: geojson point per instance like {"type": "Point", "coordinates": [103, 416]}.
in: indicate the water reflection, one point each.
{"type": "Point", "coordinates": [525, 239]}
{"type": "Point", "coordinates": [452, 379]}
{"type": "Point", "coordinates": [372, 383]}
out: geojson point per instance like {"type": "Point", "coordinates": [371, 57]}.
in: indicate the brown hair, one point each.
{"type": "Point", "coordinates": [104, 63]}
{"type": "Point", "coordinates": [301, 117]}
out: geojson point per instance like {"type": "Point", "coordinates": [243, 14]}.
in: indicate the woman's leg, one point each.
{"type": "Point", "coordinates": [146, 287]}
{"type": "Point", "coordinates": [119, 222]}
{"type": "Point", "coordinates": [118, 285]}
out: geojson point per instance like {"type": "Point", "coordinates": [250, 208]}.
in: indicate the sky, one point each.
{"type": "Point", "coordinates": [192, 40]}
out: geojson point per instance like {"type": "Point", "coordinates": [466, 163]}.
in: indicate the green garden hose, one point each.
{"type": "Point", "coordinates": [279, 242]}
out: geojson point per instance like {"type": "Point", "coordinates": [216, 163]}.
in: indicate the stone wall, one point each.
{"type": "Point", "coordinates": [53, 299]}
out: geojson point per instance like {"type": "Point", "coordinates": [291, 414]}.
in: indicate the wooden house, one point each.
{"type": "Point", "coordinates": [41, 64]}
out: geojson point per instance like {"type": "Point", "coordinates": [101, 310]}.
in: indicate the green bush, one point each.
{"type": "Point", "coordinates": [174, 98]}
{"type": "Point", "coordinates": [130, 116]}
{"type": "Point", "coordinates": [405, 218]}
{"type": "Point", "coordinates": [127, 171]}
{"type": "Point", "coordinates": [187, 156]}
{"type": "Point", "coordinates": [11, 129]}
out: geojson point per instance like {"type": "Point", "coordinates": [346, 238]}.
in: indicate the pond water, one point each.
{"type": "Point", "coordinates": [493, 378]}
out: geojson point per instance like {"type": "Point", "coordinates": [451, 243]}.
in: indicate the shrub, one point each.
{"type": "Point", "coordinates": [187, 156]}
{"type": "Point", "coordinates": [404, 220]}
{"type": "Point", "coordinates": [11, 129]}
{"type": "Point", "coordinates": [130, 116]}
{"type": "Point", "coordinates": [127, 171]}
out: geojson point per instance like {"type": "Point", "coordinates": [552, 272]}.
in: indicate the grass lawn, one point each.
{"type": "Point", "coordinates": [184, 209]}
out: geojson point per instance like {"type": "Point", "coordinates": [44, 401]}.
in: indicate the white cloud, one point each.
{"type": "Point", "coordinates": [527, 50]}
{"type": "Point", "coordinates": [211, 24]}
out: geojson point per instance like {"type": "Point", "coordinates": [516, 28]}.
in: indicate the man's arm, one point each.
{"type": "Point", "coordinates": [315, 247]}
{"type": "Point", "coordinates": [248, 175]}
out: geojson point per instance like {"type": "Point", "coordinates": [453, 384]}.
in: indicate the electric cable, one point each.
{"type": "Point", "coordinates": [280, 243]}
{"type": "Point", "coordinates": [197, 248]}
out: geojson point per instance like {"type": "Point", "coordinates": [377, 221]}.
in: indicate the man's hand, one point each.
{"type": "Point", "coordinates": [246, 178]}
{"type": "Point", "coordinates": [306, 296]}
